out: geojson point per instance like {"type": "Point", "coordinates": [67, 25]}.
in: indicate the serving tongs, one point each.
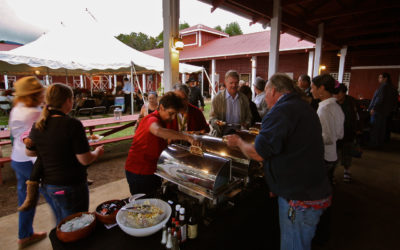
{"type": "Point", "coordinates": [132, 199]}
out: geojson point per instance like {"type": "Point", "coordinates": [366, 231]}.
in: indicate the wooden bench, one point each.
{"type": "Point", "coordinates": [103, 128]}
{"type": "Point", "coordinates": [2, 143]}
{"type": "Point", "coordinates": [107, 141]}
{"type": "Point", "coordinates": [2, 161]}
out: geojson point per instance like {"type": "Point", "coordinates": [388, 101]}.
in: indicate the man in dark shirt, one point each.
{"type": "Point", "coordinates": [381, 107]}
{"type": "Point", "coordinates": [195, 94]}
{"type": "Point", "coordinates": [291, 148]}
{"type": "Point", "coordinates": [304, 83]}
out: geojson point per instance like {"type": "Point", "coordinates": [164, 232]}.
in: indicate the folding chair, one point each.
{"type": "Point", "coordinates": [85, 112]}
{"type": "Point", "coordinates": [100, 110]}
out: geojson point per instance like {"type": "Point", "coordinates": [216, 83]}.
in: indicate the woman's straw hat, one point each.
{"type": "Point", "coordinates": [27, 86]}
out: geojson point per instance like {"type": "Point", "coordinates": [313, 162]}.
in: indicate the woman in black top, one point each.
{"type": "Point", "coordinates": [61, 144]}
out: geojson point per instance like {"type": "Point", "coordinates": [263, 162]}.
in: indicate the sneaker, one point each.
{"type": "Point", "coordinates": [347, 178]}
{"type": "Point", "coordinates": [35, 237]}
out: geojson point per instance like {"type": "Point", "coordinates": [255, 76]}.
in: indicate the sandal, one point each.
{"type": "Point", "coordinates": [35, 237]}
{"type": "Point", "coordinates": [347, 178]}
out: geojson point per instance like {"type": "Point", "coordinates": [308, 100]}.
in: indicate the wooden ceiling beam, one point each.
{"type": "Point", "coordinates": [290, 2]}
{"type": "Point", "coordinates": [353, 24]}
{"type": "Point", "coordinates": [349, 12]}
{"type": "Point", "coordinates": [368, 31]}
{"type": "Point", "coordinates": [215, 4]}
{"type": "Point", "coordinates": [375, 41]}
{"type": "Point", "coordinates": [250, 9]}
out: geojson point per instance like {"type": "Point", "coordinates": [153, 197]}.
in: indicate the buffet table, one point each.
{"type": "Point", "coordinates": [250, 224]}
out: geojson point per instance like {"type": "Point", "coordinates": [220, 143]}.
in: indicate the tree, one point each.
{"type": "Point", "coordinates": [233, 29]}
{"type": "Point", "coordinates": [183, 26]}
{"type": "Point", "coordinates": [139, 41]}
{"type": "Point", "coordinates": [219, 28]}
{"type": "Point", "coordinates": [160, 37]}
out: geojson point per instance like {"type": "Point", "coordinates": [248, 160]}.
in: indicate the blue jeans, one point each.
{"type": "Point", "coordinates": [68, 199]}
{"type": "Point", "coordinates": [23, 172]}
{"type": "Point", "coordinates": [297, 235]}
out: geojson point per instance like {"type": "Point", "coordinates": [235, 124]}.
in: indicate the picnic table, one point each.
{"type": "Point", "coordinates": [92, 125]}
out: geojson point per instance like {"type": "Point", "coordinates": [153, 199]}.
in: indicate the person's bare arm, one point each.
{"type": "Point", "coordinates": [91, 156]}
{"type": "Point", "coordinates": [30, 153]}
{"type": "Point", "coordinates": [169, 134]}
{"type": "Point", "coordinates": [248, 149]}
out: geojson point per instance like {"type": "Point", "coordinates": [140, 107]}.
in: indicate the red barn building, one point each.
{"type": "Point", "coordinates": [203, 45]}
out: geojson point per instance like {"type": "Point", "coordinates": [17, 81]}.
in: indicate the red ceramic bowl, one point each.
{"type": "Point", "coordinates": [109, 218]}
{"type": "Point", "coordinates": [75, 235]}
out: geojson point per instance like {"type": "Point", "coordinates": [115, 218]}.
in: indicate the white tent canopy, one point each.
{"type": "Point", "coordinates": [83, 48]}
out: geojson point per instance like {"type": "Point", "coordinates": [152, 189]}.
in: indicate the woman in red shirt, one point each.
{"type": "Point", "coordinates": [148, 142]}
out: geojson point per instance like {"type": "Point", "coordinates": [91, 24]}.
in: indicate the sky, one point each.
{"type": "Point", "coordinates": [25, 20]}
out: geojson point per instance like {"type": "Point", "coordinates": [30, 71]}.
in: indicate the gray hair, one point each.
{"type": "Point", "coordinates": [282, 83]}
{"type": "Point", "coordinates": [232, 73]}
{"type": "Point", "coordinates": [181, 87]}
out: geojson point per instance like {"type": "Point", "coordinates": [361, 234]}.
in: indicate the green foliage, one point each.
{"type": "Point", "coordinates": [139, 41]}
{"type": "Point", "coordinates": [233, 29]}
{"type": "Point", "coordinates": [219, 28]}
{"type": "Point", "coordinates": [160, 40]}
{"type": "Point", "coordinates": [160, 37]}
{"type": "Point", "coordinates": [183, 26]}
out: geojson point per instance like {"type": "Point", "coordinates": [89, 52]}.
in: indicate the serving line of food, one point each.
{"type": "Point", "coordinates": [210, 176]}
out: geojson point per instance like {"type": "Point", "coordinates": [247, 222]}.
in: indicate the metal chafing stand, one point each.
{"type": "Point", "coordinates": [241, 165]}
{"type": "Point", "coordinates": [196, 173]}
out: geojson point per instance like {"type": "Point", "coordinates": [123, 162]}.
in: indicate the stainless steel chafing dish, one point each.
{"type": "Point", "coordinates": [241, 165]}
{"type": "Point", "coordinates": [196, 172]}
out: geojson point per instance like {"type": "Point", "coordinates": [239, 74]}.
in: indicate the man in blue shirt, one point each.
{"type": "Point", "coordinates": [229, 109]}
{"type": "Point", "coordinates": [127, 89]}
{"type": "Point", "coordinates": [291, 148]}
{"type": "Point", "coordinates": [381, 107]}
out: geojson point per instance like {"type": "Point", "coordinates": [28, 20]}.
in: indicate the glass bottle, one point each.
{"type": "Point", "coordinates": [117, 114]}
{"type": "Point", "coordinates": [169, 241]}
{"type": "Point", "coordinates": [192, 226]}
{"type": "Point", "coordinates": [164, 235]}
{"type": "Point", "coordinates": [176, 215]}
{"type": "Point", "coordinates": [182, 222]}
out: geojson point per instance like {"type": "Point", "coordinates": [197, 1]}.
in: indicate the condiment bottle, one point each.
{"type": "Point", "coordinates": [176, 215]}
{"type": "Point", "coordinates": [175, 242]}
{"type": "Point", "coordinates": [178, 231]}
{"type": "Point", "coordinates": [182, 222]}
{"type": "Point", "coordinates": [164, 235]}
{"type": "Point", "coordinates": [171, 203]}
{"type": "Point", "coordinates": [169, 241]}
{"type": "Point", "coordinates": [173, 225]}
{"type": "Point", "coordinates": [192, 227]}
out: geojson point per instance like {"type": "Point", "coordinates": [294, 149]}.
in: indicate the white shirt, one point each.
{"type": "Point", "coordinates": [331, 117]}
{"type": "Point", "coordinates": [21, 120]}
{"type": "Point", "coordinates": [127, 89]}
{"type": "Point", "coordinates": [259, 100]}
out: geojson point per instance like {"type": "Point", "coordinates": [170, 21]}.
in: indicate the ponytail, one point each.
{"type": "Point", "coordinates": [56, 95]}
{"type": "Point", "coordinates": [40, 124]}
